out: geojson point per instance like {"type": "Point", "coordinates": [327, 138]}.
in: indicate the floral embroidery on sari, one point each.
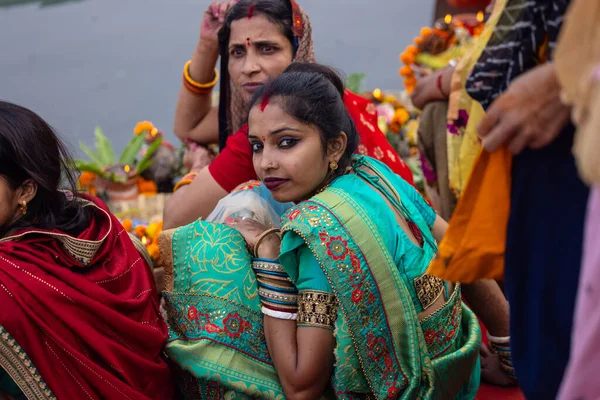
{"type": "Point", "coordinates": [362, 309]}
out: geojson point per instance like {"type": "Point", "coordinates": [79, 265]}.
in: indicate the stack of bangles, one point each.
{"type": "Point", "coordinates": [197, 87]}
{"type": "Point", "coordinates": [186, 180]}
{"type": "Point", "coordinates": [278, 295]}
{"type": "Point", "coordinates": [501, 347]}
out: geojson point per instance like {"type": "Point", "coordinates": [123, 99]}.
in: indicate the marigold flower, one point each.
{"type": "Point", "coordinates": [143, 126]}
{"type": "Point", "coordinates": [410, 81]}
{"type": "Point", "coordinates": [153, 230]}
{"type": "Point", "coordinates": [146, 186]}
{"type": "Point", "coordinates": [406, 71]}
{"type": "Point", "coordinates": [87, 178]}
{"type": "Point", "coordinates": [426, 31]}
{"type": "Point", "coordinates": [153, 250]}
{"type": "Point", "coordinates": [401, 116]}
{"type": "Point", "coordinates": [140, 231]}
{"type": "Point", "coordinates": [407, 58]}
{"type": "Point", "coordinates": [127, 224]}
{"type": "Point", "coordinates": [412, 49]}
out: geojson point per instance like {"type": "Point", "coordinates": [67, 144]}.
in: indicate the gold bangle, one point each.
{"type": "Point", "coordinates": [188, 78]}
{"type": "Point", "coordinates": [261, 238]}
{"type": "Point", "coordinates": [186, 180]}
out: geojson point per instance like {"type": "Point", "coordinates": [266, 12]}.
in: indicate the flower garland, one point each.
{"type": "Point", "coordinates": [436, 46]}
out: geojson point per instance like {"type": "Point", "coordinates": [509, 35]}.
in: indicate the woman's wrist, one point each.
{"type": "Point", "coordinates": [269, 248]}
{"type": "Point", "coordinates": [204, 60]}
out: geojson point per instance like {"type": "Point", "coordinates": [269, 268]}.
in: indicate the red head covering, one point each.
{"type": "Point", "coordinates": [80, 316]}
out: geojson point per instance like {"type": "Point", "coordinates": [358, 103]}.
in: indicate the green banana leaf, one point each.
{"type": "Point", "coordinates": [82, 165]}
{"type": "Point", "coordinates": [146, 162]}
{"type": "Point", "coordinates": [354, 82]}
{"type": "Point", "coordinates": [104, 148]}
{"type": "Point", "coordinates": [92, 155]}
{"type": "Point", "coordinates": [131, 151]}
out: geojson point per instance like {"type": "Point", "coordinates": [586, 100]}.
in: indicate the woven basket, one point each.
{"type": "Point", "coordinates": [145, 208]}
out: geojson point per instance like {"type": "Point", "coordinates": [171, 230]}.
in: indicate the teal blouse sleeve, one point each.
{"type": "Point", "coordinates": [317, 305]}
{"type": "Point", "coordinates": [301, 265]}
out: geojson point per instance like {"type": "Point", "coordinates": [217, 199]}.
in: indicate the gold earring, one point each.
{"type": "Point", "coordinates": [333, 166]}
{"type": "Point", "coordinates": [23, 207]}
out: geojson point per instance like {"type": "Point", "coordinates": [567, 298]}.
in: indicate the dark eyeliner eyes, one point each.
{"type": "Point", "coordinates": [256, 147]}
{"type": "Point", "coordinates": [287, 143]}
{"type": "Point", "coordinates": [283, 144]}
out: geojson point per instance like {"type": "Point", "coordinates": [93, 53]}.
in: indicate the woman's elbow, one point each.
{"type": "Point", "coordinates": [171, 214]}
{"type": "Point", "coordinates": [305, 389]}
{"type": "Point", "coordinates": [182, 134]}
{"type": "Point", "coordinates": [303, 394]}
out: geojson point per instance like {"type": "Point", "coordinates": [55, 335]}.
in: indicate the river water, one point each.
{"type": "Point", "coordinates": [112, 63]}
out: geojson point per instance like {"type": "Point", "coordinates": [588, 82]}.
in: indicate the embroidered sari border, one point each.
{"type": "Point", "coordinates": [263, 382]}
{"type": "Point", "coordinates": [393, 292]}
{"type": "Point", "coordinates": [19, 367]}
{"type": "Point", "coordinates": [352, 256]}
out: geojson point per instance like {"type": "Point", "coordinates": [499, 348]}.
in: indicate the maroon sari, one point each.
{"type": "Point", "coordinates": [80, 316]}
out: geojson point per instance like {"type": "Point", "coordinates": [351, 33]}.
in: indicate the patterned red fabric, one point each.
{"type": "Point", "coordinates": [373, 142]}
{"type": "Point", "coordinates": [91, 328]}
{"type": "Point", "coordinates": [233, 166]}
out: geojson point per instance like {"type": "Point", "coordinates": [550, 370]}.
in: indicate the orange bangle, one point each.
{"type": "Point", "coordinates": [186, 180]}
{"type": "Point", "coordinates": [205, 86]}
{"type": "Point", "coordinates": [194, 89]}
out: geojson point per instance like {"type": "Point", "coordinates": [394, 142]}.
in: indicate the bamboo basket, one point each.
{"type": "Point", "coordinates": [145, 208]}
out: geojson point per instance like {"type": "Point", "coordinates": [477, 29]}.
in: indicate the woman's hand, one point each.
{"type": "Point", "coordinates": [251, 230]}
{"type": "Point", "coordinates": [196, 157]}
{"type": "Point", "coordinates": [491, 371]}
{"type": "Point", "coordinates": [528, 114]}
{"type": "Point", "coordinates": [213, 20]}
{"type": "Point", "coordinates": [427, 89]}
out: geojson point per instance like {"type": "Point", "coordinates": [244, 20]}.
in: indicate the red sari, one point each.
{"type": "Point", "coordinates": [80, 316]}
{"type": "Point", "coordinates": [233, 166]}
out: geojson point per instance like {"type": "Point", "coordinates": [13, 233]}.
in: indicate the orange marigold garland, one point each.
{"type": "Point", "coordinates": [435, 41]}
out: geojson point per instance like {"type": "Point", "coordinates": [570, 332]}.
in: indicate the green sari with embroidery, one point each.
{"type": "Point", "coordinates": [343, 242]}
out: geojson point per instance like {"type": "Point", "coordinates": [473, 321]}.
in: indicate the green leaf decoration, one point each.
{"type": "Point", "coordinates": [354, 82]}
{"type": "Point", "coordinates": [131, 151]}
{"type": "Point", "coordinates": [82, 165]}
{"type": "Point", "coordinates": [144, 165]}
{"type": "Point", "coordinates": [146, 160]}
{"type": "Point", "coordinates": [104, 148]}
{"type": "Point", "coordinates": [91, 154]}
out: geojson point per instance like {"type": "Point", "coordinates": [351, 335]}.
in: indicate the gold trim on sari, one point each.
{"type": "Point", "coordinates": [19, 367]}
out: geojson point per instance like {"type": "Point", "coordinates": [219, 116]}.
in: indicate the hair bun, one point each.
{"type": "Point", "coordinates": [331, 74]}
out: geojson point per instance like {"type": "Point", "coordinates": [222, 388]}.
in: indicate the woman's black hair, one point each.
{"type": "Point", "coordinates": [314, 95]}
{"type": "Point", "coordinates": [277, 11]}
{"type": "Point", "coordinates": [30, 149]}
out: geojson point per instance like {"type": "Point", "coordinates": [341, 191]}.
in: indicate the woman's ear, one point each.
{"type": "Point", "coordinates": [336, 147]}
{"type": "Point", "coordinates": [27, 191]}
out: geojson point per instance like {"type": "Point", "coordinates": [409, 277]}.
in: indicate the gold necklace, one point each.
{"type": "Point", "coordinates": [330, 180]}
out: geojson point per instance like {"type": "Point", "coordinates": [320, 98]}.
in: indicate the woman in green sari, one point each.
{"type": "Point", "coordinates": [347, 309]}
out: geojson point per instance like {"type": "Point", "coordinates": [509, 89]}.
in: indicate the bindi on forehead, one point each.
{"type": "Point", "coordinates": [248, 43]}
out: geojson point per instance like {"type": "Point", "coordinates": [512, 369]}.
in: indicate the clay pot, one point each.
{"type": "Point", "coordinates": [117, 191]}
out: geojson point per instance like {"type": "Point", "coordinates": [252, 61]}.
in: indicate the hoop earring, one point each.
{"type": "Point", "coordinates": [333, 166]}
{"type": "Point", "coordinates": [23, 207]}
